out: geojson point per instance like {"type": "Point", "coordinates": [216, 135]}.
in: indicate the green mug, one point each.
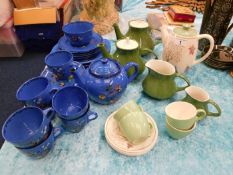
{"type": "Point", "coordinates": [127, 108]}
{"type": "Point", "coordinates": [183, 115]}
{"type": "Point", "coordinates": [200, 99]}
{"type": "Point", "coordinates": [135, 127]}
{"type": "Point", "coordinates": [160, 81]}
{"type": "Point", "coordinates": [178, 133]}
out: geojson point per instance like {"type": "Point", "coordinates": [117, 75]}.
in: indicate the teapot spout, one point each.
{"type": "Point", "coordinates": [79, 76]}
{"type": "Point", "coordinates": [119, 35]}
{"type": "Point", "coordinates": [104, 51]}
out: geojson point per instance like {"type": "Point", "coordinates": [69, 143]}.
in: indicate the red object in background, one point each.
{"type": "Point", "coordinates": [181, 14]}
{"type": "Point", "coordinates": [118, 4]}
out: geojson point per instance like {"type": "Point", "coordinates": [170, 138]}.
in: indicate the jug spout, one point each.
{"type": "Point", "coordinates": [79, 76]}
{"type": "Point", "coordinates": [119, 35]}
{"type": "Point", "coordinates": [104, 51]}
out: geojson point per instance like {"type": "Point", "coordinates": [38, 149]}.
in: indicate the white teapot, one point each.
{"type": "Point", "coordinates": [181, 45]}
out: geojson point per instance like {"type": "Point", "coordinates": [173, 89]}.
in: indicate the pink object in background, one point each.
{"type": "Point", "coordinates": [10, 45]}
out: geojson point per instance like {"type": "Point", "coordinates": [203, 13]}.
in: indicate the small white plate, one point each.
{"type": "Point", "coordinates": [120, 144]}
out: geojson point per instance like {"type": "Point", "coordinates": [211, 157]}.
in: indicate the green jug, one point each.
{"type": "Point", "coordinates": [160, 81]}
{"type": "Point", "coordinates": [139, 30]}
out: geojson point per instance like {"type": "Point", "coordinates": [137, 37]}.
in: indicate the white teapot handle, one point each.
{"type": "Point", "coordinates": [210, 38]}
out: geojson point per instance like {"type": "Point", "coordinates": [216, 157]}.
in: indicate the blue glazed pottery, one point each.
{"type": "Point", "coordinates": [71, 81]}
{"type": "Point", "coordinates": [65, 44]}
{"type": "Point", "coordinates": [78, 33]}
{"type": "Point", "coordinates": [37, 91]}
{"type": "Point", "coordinates": [105, 80]}
{"type": "Point", "coordinates": [70, 102]}
{"type": "Point", "coordinates": [28, 126]}
{"type": "Point", "coordinates": [41, 150]}
{"type": "Point", "coordinates": [61, 64]}
{"type": "Point", "coordinates": [78, 124]}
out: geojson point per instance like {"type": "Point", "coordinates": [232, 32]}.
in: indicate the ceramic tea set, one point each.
{"type": "Point", "coordinates": [80, 68]}
{"type": "Point", "coordinates": [83, 45]}
{"type": "Point", "coordinates": [181, 116]}
{"type": "Point", "coordinates": [130, 130]}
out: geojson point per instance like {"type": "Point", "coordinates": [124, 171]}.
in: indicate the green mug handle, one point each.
{"type": "Point", "coordinates": [185, 79]}
{"type": "Point", "coordinates": [218, 113]}
{"type": "Point", "coordinates": [201, 114]}
{"type": "Point", "coordinates": [149, 50]}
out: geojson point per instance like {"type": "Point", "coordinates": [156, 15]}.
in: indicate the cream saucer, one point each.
{"type": "Point", "coordinates": [120, 144]}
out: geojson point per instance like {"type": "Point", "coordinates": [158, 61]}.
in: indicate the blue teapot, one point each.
{"type": "Point", "coordinates": [105, 80]}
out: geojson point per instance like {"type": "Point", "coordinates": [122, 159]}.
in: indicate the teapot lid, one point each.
{"type": "Point", "coordinates": [186, 31]}
{"type": "Point", "coordinates": [127, 44]}
{"type": "Point", "coordinates": [104, 68]}
{"type": "Point", "coordinates": [139, 23]}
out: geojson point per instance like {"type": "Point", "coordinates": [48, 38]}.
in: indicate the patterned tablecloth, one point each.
{"type": "Point", "coordinates": [208, 150]}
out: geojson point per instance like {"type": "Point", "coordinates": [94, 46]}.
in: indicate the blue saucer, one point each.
{"type": "Point", "coordinates": [99, 55]}
{"type": "Point", "coordinates": [64, 44]}
{"type": "Point", "coordinates": [58, 83]}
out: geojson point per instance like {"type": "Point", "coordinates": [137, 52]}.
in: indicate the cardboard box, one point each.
{"type": "Point", "coordinates": [35, 16]}
{"type": "Point", "coordinates": [20, 4]}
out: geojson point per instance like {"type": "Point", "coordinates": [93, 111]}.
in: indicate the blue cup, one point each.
{"type": "Point", "coordinates": [78, 124]}
{"type": "Point", "coordinates": [41, 150]}
{"type": "Point", "coordinates": [70, 102]}
{"type": "Point", "coordinates": [61, 64]}
{"type": "Point", "coordinates": [37, 91]}
{"type": "Point", "coordinates": [79, 33]}
{"type": "Point", "coordinates": [72, 107]}
{"type": "Point", "coordinates": [28, 126]}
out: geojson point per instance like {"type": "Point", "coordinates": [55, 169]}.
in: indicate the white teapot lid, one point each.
{"type": "Point", "coordinates": [127, 44]}
{"type": "Point", "coordinates": [139, 23]}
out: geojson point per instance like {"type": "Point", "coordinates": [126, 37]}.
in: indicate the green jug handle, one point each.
{"type": "Point", "coordinates": [185, 79]}
{"type": "Point", "coordinates": [218, 113]}
{"type": "Point", "coordinates": [149, 50]}
{"type": "Point", "coordinates": [201, 114]}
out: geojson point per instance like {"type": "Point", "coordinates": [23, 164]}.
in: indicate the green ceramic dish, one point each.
{"type": "Point", "coordinates": [177, 133]}
{"type": "Point", "coordinates": [160, 82]}
{"type": "Point", "coordinates": [183, 115]}
{"type": "Point", "coordinates": [135, 127]}
{"type": "Point", "coordinates": [127, 108]}
{"type": "Point", "coordinates": [200, 99]}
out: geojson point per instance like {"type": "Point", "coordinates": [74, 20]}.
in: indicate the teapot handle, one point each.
{"type": "Point", "coordinates": [210, 38]}
{"type": "Point", "coordinates": [134, 75]}
{"type": "Point", "coordinates": [149, 50]}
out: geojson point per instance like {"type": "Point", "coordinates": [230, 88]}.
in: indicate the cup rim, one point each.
{"type": "Point", "coordinates": [78, 22]}
{"type": "Point", "coordinates": [12, 115]}
{"type": "Point", "coordinates": [26, 83]}
{"type": "Point", "coordinates": [57, 52]}
{"type": "Point", "coordinates": [68, 87]}
{"type": "Point", "coordinates": [156, 65]}
{"type": "Point", "coordinates": [192, 107]}
{"type": "Point", "coordinates": [201, 92]}
{"type": "Point", "coordinates": [182, 130]}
